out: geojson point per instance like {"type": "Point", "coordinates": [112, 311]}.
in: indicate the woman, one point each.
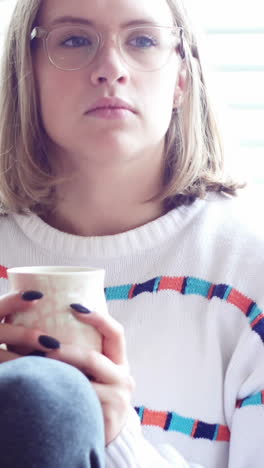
{"type": "Point", "coordinates": [110, 157]}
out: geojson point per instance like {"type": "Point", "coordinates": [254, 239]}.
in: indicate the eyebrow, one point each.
{"type": "Point", "coordinates": [74, 19]}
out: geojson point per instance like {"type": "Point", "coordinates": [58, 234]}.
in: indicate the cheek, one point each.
{"type": "Point", "coordinates": [160, 96]}
{"type": "Point", "coordinates": [55, 98]}
{"type": "Point", "coordinates": [160, 86]}
{"type": "Point", "coordinates": [53, 92]}
{"type": "Point", "coordinates": [54, 86]}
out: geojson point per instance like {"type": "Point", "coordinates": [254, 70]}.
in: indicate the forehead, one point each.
{"type": "Point", "coordinates": [107, 12]}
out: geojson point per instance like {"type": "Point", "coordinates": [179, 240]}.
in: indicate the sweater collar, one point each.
{"type": "Point", "coordinates": [137, 240]}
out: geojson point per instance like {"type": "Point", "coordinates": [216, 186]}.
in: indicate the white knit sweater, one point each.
{"type": "Point", "coordinates": [189, 290]}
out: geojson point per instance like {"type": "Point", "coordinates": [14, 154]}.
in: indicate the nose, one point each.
{"type": "Point", "coordinates": [109, 67]}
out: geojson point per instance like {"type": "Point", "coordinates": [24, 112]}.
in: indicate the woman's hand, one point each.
{"type": "Point", "coordinates": [109, 371]}
{"type": "Point", "coordinates": [16, 337]}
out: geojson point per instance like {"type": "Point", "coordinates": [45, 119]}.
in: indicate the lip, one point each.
{"type": "Point", "coordinates": [110, 103]}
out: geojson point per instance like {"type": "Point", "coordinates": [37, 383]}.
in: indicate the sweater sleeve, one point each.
{"type": "Point", "coordinates": [131, 450]}
{"type": "Point", "coordinates": [244, 403]}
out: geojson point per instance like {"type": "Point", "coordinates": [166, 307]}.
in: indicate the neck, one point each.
{"type": "Point", "coordinates": [108, 199]}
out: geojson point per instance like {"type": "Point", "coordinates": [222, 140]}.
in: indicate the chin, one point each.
{"type": "Point", "coordinates": [116, 144]}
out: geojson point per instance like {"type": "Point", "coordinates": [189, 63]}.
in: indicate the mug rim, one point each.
{"type": "Point", "coordinates": [53, 270]}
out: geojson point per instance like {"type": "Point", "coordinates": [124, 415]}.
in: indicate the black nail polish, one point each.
{"type": "Point", "coordinates": [37, 353]}
{"type": "Point", "coordinates": [49, 342]}
{"type": "Point", "coordinates": [31, 295]}
{"type": "Point", "coordinates": [80, 308]}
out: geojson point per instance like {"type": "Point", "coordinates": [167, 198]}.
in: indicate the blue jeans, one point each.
{"type": "Point", "coordinates": [50, 416]}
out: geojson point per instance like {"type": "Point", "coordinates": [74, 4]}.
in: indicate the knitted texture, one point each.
{"type": "Point", "coordinates": [188, 289]}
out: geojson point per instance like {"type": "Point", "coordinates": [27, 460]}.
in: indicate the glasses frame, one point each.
{"type": "Point", "coordinates": [40, 33]}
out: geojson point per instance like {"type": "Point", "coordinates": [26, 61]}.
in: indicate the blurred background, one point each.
{"type": "Point", "coordinates": [231, 35]}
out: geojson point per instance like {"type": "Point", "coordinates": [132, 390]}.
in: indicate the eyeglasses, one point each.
{"type": "Point", "coordinates": [144, 48]}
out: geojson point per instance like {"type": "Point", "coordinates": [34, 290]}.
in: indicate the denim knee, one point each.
{"type": "Point", "coordinates": [51, 406]}
{"type": "Point", "coordinates": [30, 378]}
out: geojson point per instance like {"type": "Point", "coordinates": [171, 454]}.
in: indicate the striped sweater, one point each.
{"type": "Point", "coordinates": [188, 288]}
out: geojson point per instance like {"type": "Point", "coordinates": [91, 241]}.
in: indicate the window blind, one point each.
{"type": "Point", "coordinates": [234, 44]}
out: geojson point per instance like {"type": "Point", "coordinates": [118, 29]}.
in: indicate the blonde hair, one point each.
{"type": "Point", "coordinates": [193, 154]}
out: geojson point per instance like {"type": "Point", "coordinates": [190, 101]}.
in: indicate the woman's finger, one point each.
{"type": "Point", "coordinates": [28, 338]}
{"type": "Point", "coordinates": [114, 346]}
{"type": "Point", "coordinates": [91, 363]}
{"type": "Point", "coordinates": [17, 302]}
{"type": "Point", "coordinates": [128, 384]}
{"type": "Point", "coordinates": [7, 356]}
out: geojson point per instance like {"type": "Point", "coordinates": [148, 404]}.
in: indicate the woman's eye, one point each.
{"type": "Point", "coordinates": [143, 42]}
{"type": "Point", "coordinates": [77, 41]}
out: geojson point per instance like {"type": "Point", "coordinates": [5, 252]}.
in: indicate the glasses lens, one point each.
{"type": "Point", "coordinates": [147, 48]}
{"type": "Point", "coordinates": [72, 47]}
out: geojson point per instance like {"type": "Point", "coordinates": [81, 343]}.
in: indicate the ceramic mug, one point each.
{"type": "Point", "coordinates": [61, 286]}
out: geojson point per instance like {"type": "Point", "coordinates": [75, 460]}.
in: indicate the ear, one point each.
{"type": "Point", "coordinates": [180, 87]}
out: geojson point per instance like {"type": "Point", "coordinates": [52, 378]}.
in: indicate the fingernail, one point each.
{"type": "Point", "coordinates": [37, 353]}
{"type": "Point", "coordinates": [31, 295]}
{"type": "Point", "coordinates": [49, 342]}
{"type": "Point", "coordinates": [80, 308]}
